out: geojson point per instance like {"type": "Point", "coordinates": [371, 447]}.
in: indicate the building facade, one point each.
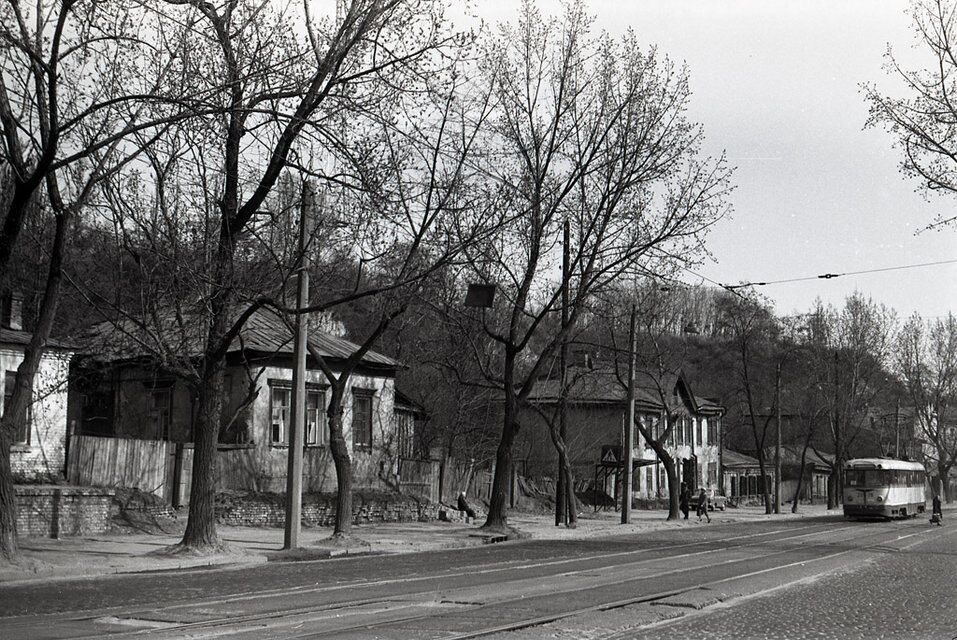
{"type": "Point", "coordinates": [596, 418]}
{"type": "Point", "coordinates": [127, 396]}
{"type": "Point", "coordinates": [39, 448]}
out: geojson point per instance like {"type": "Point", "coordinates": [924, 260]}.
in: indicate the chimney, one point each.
{"type": "Point", "coordinates": [11, 311]}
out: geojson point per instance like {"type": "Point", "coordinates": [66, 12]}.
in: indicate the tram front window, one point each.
{"type": "Point", "coordinates": [865, 477]}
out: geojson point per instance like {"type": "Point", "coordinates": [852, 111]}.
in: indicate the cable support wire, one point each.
{"type": "Point", "coordinates": [823, 276]}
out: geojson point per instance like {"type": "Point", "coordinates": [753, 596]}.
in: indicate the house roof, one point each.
{"type": "Point", "coordinates": [405, 403]}
{"type": "Point", "coordinates": [22, 339]}
{"type": "Point", "coordinates": [791, 454]}
{"type": "Point", "coordinates": [602, 386]}
{"type": "Point", "coordinates": [734, 460]}
{"type": "Point", "coordinates": [264, 333]}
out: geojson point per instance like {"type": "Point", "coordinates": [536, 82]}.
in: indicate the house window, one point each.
{"type": "Point", "coordinates": [280, 399]}
{"type": "Point", "coordinates": [686, 424]}
{"type": "Point", "coordinates": [712, 430]}
{"type": "Point", "coordinates": [649, 482]}
{"type": "Point", "coordinates": [700, 429]}
{"type": "Point", "coordinates": [362, 418]}
{"type": "Point", "coordinates": [280, 408]}
{"type": "Point", "coordinates": [317, 430]}
{"type": "Point", "coordinates": [159, 409]}
{"type": "Point", "coordinates": [22, 435]}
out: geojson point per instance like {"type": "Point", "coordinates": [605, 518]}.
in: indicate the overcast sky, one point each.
{"type": "Point", "coordinates": [777, 86]}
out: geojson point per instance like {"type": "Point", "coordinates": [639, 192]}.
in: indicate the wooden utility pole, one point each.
{"type": "Point", "coordinates": [561, 500]}
{"type": "Point", "coordinates": [297, 422]}
{"type": "Point", "coordinates": [630, 422]}
{"type": "Point", "coordinates": [777, 444]}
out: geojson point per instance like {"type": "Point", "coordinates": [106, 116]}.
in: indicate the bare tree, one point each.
{"type": "Point", "coordinates": [924, 122]}
{"type": "Point", "coordinates": [81, 94]}
{"type": "Point", "coordinates": [593, 131]}
{"type": "Point", "coordinates": [926, 357]}
{"type": "Point", "coordinates": [852, 347]}
{"type": "Point", "coordinates": [289, 78]}
{"type": "Point", "coordinates": [753, 331]}
{"type": "Point", "coordinates": [658, 365]}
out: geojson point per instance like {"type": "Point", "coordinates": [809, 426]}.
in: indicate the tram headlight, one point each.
{"type": "Point", "coordinates": [880, 499]}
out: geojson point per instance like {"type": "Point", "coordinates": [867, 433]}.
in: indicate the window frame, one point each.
{"type": "Point", "coordinates": [319, 412]}
{"type": "Point", "coordinates": [23, 436]}
{"type": "Point", "coordinates": [361, 394]}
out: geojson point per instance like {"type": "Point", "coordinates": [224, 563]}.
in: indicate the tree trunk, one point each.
{"type": "Point", "coordinates": [800, 480]}
{"type": "Point", "coordinates": [566, 477]}
{"type": "Point", "coordinates": [571, 502]}
{"type": "Point", "coordinates": [8, 503]}
{"type": "Point", "coordinates": [201, 534]}
{"type": "Point", "coordinates": [343, 463]}
{"type": "Point", "coordinates": [674, 487]}
{"type": "Point", "coordinates": [768, 509]}
{"type": "Point", "coordinates": [498, 501]}
{"type": "Point", "coordinates": [15, 413]}
{"type": "Point", "coordinates": [832, 482]}
{"type": "Point", "coordinates": [943, 472]}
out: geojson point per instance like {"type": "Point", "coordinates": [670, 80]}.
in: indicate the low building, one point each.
{"type": "Point", "coordinates": [596, 419]}
{"type": "Point", "coordinates": [118, 392]}
{"type": "Point", "coordinates": [38, 450]}
{"type": "Point", "coordinates": [741, 478]}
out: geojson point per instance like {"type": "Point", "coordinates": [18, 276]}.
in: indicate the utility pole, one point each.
{"type": "Point", "coordinates": [297, 422]}
{"type": "Point", "coordinates": [777, 445]}
{"type": "Point", "coordinates": [630, 422]}
{"type": "Point", "coordinates": [562, 505]}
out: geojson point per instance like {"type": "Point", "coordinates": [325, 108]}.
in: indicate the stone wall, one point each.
{"type": "Point", "coordinates": [55, 511]}
{"type": "Point", "coordinates": [319, 509]}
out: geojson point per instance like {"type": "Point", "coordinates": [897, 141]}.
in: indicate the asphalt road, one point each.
{"type": "Point", "coordinates": [702, 582]}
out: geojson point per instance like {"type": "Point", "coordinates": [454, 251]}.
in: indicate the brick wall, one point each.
{"type": "Point", "coordinates": [269, 509]}
{"type": "Point", "coordinates": [54, 511]}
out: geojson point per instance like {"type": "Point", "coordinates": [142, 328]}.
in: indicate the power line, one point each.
{"type": "Point", "coordinates": [825, 276]}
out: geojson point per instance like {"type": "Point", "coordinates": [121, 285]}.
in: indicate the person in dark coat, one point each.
{"type": "Point", "coordinates": [684, 500]}
{"type": "Point", "coordinates": [936, 515]}
{"type": "Point", "coordinates": [703, 505]}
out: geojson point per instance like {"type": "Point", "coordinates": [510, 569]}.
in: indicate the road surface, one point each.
{"type": "Point", "coordinates": [816, 577]}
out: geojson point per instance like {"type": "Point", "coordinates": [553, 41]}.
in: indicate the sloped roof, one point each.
{"type": "Point", "coordinates": [264, 333]}
{"type": "Point", "coordinates": [791, 454]}
{"type": "Point", "coordinates": [602, 386]}
{"type": "Point", "coordinates": [734, 460]}
{"type": "Point", "coordinates": [22, 339]}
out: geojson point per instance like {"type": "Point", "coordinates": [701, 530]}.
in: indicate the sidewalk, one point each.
{"type": "Point", "coordinates": [47, 559]}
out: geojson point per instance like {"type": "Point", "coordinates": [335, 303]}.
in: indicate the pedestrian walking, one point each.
{"type": "Point", "coordinates": [684, 500]}
{"type": "Point", "coordinates": [936, 515]}
{"type": "Point", "coordinates": [703, 505]}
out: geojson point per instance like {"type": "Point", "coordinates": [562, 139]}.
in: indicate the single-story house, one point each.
{"type": "Point", "coordinates": [38, 450]}
{"type": "Point", "coordinates": [741, 477]}
{"type": "Point", "coordinates": [119, 391]}
{"type": "Point", "coordinates": [817, 471]}
{"type": "Point", "coordinates": [596, 418]}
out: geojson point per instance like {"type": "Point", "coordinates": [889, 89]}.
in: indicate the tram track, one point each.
{"type": "Point", "coordinates": [392, 605]}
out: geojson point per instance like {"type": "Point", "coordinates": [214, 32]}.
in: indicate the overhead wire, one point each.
{"type": "Point", "coordinates": [824, 276]}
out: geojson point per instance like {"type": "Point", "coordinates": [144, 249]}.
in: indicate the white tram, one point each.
{"type": "Point", "coordinates": [884, 488]}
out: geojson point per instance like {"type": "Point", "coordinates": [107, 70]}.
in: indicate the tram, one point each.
{"type": "Point", "coordinates": [883, 488]}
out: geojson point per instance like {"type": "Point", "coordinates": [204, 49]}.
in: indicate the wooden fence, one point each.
{"type": "Point", "coordinates": [148, 465]}
{"type": "Point", "coordinates": [420, 478]}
